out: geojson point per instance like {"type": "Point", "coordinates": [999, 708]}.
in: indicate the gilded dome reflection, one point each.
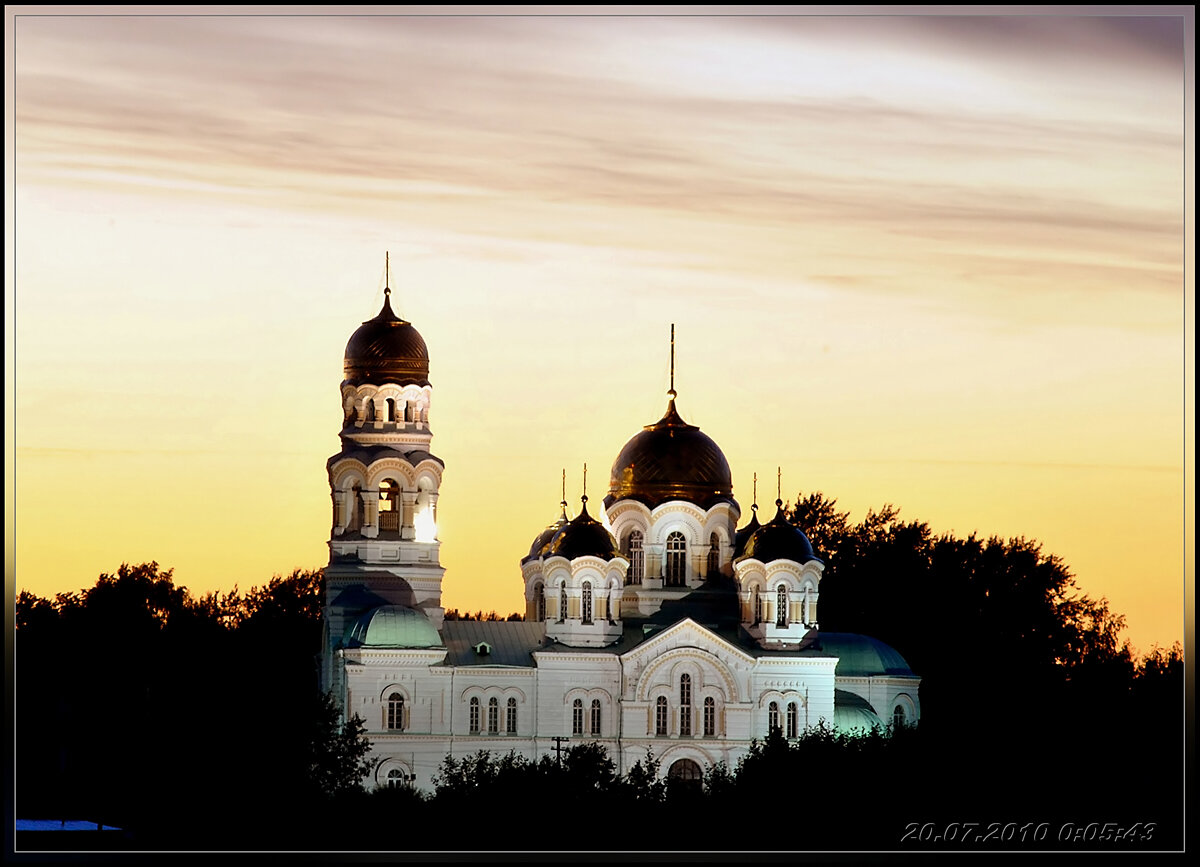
{"type": "Point", "coordinates": [671, 460]}
{"type": "Point", "coordinates": [386, 349]}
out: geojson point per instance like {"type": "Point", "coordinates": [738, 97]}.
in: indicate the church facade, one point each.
{"type": "Point", "coordinates": [655, 625]}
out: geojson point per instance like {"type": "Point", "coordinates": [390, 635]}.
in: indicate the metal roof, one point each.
{"type": "Point", "coordinates": [512, 642]}
{"type": "Point", "coordinates": [853, 713]}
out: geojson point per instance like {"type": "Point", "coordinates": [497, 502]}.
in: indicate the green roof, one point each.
{"type": "Point", "coordinates": [392, 626]}
{"type": "Point", "coordinates": [853, 713]}
{"type": "Point", "coordinates": [861, 655]}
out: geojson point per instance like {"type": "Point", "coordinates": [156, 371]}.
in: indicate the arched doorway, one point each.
{"type": "Point", "coordinates": [687, 773]}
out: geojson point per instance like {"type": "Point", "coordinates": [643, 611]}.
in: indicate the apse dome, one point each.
{"type": "Point", "coordinates": [394, 627]}
{"type": "Point", "coordinates": [583, 536]}
{"type": "Point", "coordinates": [853, 714]}
{"type": "Point", "coordinates": [386, 349]}
{"type": "Point", "coordinates": [671, 460]}
{"type": "Point", "coordinates": [863, 656]}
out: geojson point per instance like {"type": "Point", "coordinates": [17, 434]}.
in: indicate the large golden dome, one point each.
{"type": "Point", "coordinates": [671, 460]}
{"type": "Point", "coordinates": [386, 349]}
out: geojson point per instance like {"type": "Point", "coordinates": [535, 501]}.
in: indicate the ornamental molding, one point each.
{"type": "Point", "coordinates": [344, 467]}
{"type": "Point", "coordinates": [621, 507]}
{"type": "Point", "coordinates": [678, 507]}
{"type": "Point", "coordinates": [488, 692]}
{"type": "Point", "coordinates": [399, 657]}
{"type": "Point", "coordinates": [687, 633]}
{"type": "Point", "coordinates": [369, 389]}
{"type": "Point", "coordinates": [822, 662]}
{"type": "Point", "coordinates": [548, 656]}
{"type": "Point", "coordinates": [646, 682]}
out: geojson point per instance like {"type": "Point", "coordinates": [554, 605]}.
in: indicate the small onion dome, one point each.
{"type": "Point", "coordinates": [386, 349]}
{"type": "Point", "coordinates": [542, 543]}
{"type": "Point", "coordinates": [853, 714]}
{"type": "Point", "coordinates": [778, 540]}
{"type": "Point", "coordinates": [743, 535]}
{"type": "Point", "coordinates": [863, 656]}
{"type": "Point", "coordinates": [393, 626]}
{"type": "Point", "coordinates": [671, 460]}
{"type": "Point", "coordinates": [583, 536]}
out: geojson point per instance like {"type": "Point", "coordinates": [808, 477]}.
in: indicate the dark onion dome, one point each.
{"type": "Point", "coordinates": [743, 535]}
{"type": "Point", "coordinates": [386, 349]}
{"type": "Point", "coordinates": [392, 626]}
{"type": "Point", "coordinates": [542, 543]}
{"type": "Point", "coordinates": [583, 536]}
{"type": "Point", "coordinates": [671, 460]}
{"type": "Point", "coordinates": [778, 540]}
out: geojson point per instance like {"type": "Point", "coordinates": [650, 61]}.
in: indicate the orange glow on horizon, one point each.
{"type": "Point", "coordinates": [940, 262]}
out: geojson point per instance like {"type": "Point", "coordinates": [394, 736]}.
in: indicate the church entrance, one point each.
{"type": "Point", "coordinates": [685, 772]}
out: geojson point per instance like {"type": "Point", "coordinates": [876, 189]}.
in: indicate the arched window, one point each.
{"type": "Point", "coordinates": [577, 717]}
{"type": "Point", "coordinates": [685, 772]}
{"type": "Point", "coordinates": [685, 704]}
{"type": "Point", "coordinates": [757, 606]}
{"type": "Point", "coordinates": [562, 601]}
{"type": "Point", "coordinates": [358, 509]}
{"type": "Point", "coordinates": [408, 411]}
{"type": "Point", "coordinates": [539, 601]}
{"type": "Point", "coordinates": [660, 716]}
{"type": "Point", "coordinates": [614, 607]}
{"type": "Point", "coordinates": [710, 717]}
{"type": "Point", "coordinates": [474, 716]}
{"type": "Point", "coordinates": [493, 716]}
{"type": "Point", "coordinates": [596, 717]}
{"type": "Point", "coordinates": [676, 566]}
{"type": "Point", "coordinates": [395, 778]}
{"type": "Point", "coordinates": [391, 410]}
{"type": "Point", "coordinates": [898, 717]}
{"type": "Point", "coordinates": [395, 712]}
{"type": "Point", "coordinates": [586, 602]}
{"type": "Point", "coordinates": [370, 409]}
{"type": "Point", "coordinates": [714, 554]}
{"type": "Point", "coordinates": [781, 606]}
{"type": "Point", "coordinates": [773, 716]}
{"type": "Point", "coordinates": [510, 721]}
{"type": "Point", "coordinates": [637, 561]}
{"type": "Point", "coordinates": [389, 505]}
{"type": "Point", "coordinates": [792, 719]}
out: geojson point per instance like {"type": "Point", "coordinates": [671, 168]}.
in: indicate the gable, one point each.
{"type": "Point", "coordinates": [687, 633]}
{"type": "Point", "coordinates": [684, 642]}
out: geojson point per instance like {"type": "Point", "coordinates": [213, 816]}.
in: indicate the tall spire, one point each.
{"type": "Point", "coordinates": [583, 514]}
{"type": "Point", "coordinates": [779, 491]}
{"type": "Point", "coordinates": [754, 503]}
{"type": "Point", "coordinates": [387, 273]}
{"type": "Point", "coordinates": [563, 505]}
{"type": "Point", "coordinates": [672, 391]}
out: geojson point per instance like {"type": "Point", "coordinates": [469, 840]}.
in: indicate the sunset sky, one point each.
{"type": "Point", "coordinates": [937, 261]}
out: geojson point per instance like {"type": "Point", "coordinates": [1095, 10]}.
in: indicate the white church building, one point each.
{"type": "Point", "coordinates": [652, 623]}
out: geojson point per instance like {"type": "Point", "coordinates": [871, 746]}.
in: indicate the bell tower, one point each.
{"type": "Point", "coordinates": [383, 482]}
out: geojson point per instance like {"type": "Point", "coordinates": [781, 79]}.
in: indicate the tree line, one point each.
{"type": "Point", "coordinates": [196, 721]}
